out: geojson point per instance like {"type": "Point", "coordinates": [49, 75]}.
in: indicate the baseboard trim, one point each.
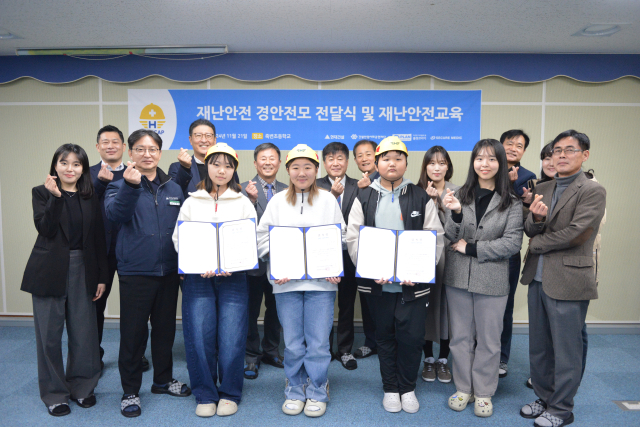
{"type": "Point", "coordinates": [595, 327]}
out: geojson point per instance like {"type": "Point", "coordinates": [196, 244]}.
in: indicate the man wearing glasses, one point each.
{"type": "Point", "coordinates": [146, 203]}
{"type": "Point", "coordinates": [563, 223]}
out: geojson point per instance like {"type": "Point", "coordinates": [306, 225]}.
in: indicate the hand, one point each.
{"type": "Point", "coordinates": [432, 191]}
{"type": "Point", "coordinates": [460, 246]}
{"type": "Point", "coordinates": [131, 175]}
{"type": "Point", "coordinates": [513, 174]}
{"type": "Point", "coordinates": [281, 281]}
{"type": "Point", "coordinates": [538, 209]}
{"type": "Point", "coordinates": [450, 202]}
{"type": "Point", "coordinates": [184, 158]}
{"type": "Point", "coordinates": [527, 196]}
{"type": "Point", "coordinates": [365, 181]}
{"type": "Point", "coordinates": [252, 192]}
{"type": "Point", "coordinates": [333, 280]}
{"type": "Point", "coordinates": [50, 184]}
{"type": "Point", "coordinates": [99, 291]}
{"type": "Point", "coordinates": [105, 174]}
{"type": "Point", "coordinates": [224, 274]}
{"type": "Point", "coordinates": [407, 283]}
{"type": "Point", "coordinates": [382, 282]}
{"type": "Point", "coordinates": [208, 275]}
{"type": "Point", "coordinates": [337, 188]}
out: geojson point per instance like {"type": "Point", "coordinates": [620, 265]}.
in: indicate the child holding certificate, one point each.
{"type": "Point", "coordinates": [484, 222]}
{"type": "Point", "coordinates": [215, 306]}
{"type": "Point", "coordinates": [305, 306]}
{"type": "Point", "coordinates": [399, 308]}
{"type": "Point", "coordinates": [435, 174]}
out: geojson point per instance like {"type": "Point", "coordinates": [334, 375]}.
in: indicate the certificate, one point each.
{"type": "Point", "coordinates": [223, 247]}
{"type": "Point", "coordinates": [305, 252]}
{"type": "Point", "coordinates": [397, 255]}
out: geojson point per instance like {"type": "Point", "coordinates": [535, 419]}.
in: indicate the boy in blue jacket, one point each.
{"type": "Point", "coordinates": [146, 203]}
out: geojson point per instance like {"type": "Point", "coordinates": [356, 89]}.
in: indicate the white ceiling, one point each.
{"type": "Point", "coordinates": [535, 26]}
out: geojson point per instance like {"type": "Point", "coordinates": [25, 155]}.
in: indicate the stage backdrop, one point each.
{"type": "Point", "coordinates": [245, 118]}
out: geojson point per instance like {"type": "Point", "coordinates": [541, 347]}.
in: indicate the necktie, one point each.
{"type": "Point", "coordinates": [269, 192]}
{"type": "Point", "coordinates": [340, 201]}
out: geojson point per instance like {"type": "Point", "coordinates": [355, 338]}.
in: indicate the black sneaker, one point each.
{"type": "Point", "coordinates": [145, 364]}
{"type": "Point", "coordinates": [277, 362]}
{"type": "Point", "coordinates": [251, 371]}
{"type": "Point", "coordinates": [364, 351]}
{"type": "Point", "coordinates": [348, 361]}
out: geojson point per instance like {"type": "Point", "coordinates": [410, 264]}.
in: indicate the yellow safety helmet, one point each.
{"type": "Point", "coordinates": [221, 147]}
{"type": "Point", "coordinates": [302, 150]}
{"type": "Point", "coordinates": [391, 143]}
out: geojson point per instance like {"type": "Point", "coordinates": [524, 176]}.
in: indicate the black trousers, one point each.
{"type": "Point", "coordinates": [259, 286]}
{"type": "Point", "coordinates": [347, 290]}
{"type": "Point", "coordinates": [101, 304]}
{"type": "Point", "coordinates": [400, 328]}
{"type": "Point", "coordinates": [368, 325]}
{"type": "Point", "coordinates": [143, 298]}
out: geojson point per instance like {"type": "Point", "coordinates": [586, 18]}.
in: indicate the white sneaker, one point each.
{"type": "Point", "coordinates": [226, 407]}
{"type": "Point", "coordinates": [313, 408]}
{"type": "Point", "coordinates": [410, 402]}
{"type": "Point", "coordinates": [206, 410]}
{"type": "Point", "coordinates": [292, 406]}
{"type": "Point", "coordinates": [391, 402]}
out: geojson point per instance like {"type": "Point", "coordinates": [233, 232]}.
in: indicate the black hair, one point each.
{"type": "Point", "coordinates": [510, 134]}
{"type": "Point", "coordinates": [84, 183]}
{"type": "Point", "coordinates": [137, 135]}
{"type": "Point", "coordinates": [428, 156]}
{"type": "Point", "coordinates": [207, 183]}
{"type": "Point", "coordinates": [547, 151]}
{"type": "Point", "coordinates": [334, 148]}
{"type": "Point", "coordinates": [582, 139]}
{"type": "Point", "coordinates": [201, 122]}
{"type": "Point", "coordinates": [265, 146]}
{"type": "Point", "coordinates": [110, 128]}
{"type": "Point", "coordinates": [503, 185]}
{"type": "Point", "coordinates": [374, 145]}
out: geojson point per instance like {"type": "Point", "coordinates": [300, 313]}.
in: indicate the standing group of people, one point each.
{"type": "Point", "coordinates": [94, 221]}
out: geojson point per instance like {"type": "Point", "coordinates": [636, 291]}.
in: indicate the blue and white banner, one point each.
{"type": "Point", "coordinates": [246, 118]}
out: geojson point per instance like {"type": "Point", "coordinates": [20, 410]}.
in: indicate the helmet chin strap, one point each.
{"type": "Point", "coordinates": [302, 204]}
{"type": "Point", "coordinates": [392, 182]}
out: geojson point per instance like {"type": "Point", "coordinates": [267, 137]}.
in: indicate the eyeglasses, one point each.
{"type": "Point", "coordinates": [569, 151]}
{"type": "Point", "coordinates": [152, 150]}
{"type": "Point", "coordinates": [208, 136]}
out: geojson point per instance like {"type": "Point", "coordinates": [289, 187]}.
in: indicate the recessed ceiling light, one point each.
{"type": "Point", "coordinates": [598, 30]}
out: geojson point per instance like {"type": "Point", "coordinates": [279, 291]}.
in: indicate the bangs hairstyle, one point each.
{"type": "Point", "coordinates": [547, 151]}
{"type": "Point", "coordinates": [431, 154]}
{"type": "Point", "coordinates": [312, 191]}
{"type": "Point", "coordinates": [228, 159]}
{"type": "Point", "coordinates": [467, 192]}
{"type": "Point", "coordinates": [84, 184]}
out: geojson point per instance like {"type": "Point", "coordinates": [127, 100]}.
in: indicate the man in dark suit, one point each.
{"type": "Point", "coordinates": [563, 223]}
{"type": "Point", "coordinates": [364, 153]}
{"type": "Point", "coordinates": [110, 145]}
{"type": "Point", "coordinates": [260, 190]}
{"type": "Point", "coordinates": [335, 157]}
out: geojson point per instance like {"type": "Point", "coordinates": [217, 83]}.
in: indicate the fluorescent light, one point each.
{"type": "Point", "coordinates": [598, 30]}
{"type": "Point", "coordinates": [160, 50]}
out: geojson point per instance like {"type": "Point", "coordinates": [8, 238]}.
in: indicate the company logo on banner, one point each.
{"type": "Point", "coordinates": [246, 118]}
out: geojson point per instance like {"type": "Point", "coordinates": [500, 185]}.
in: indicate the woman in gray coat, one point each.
{"type": "Point", "coordinates": [485, 225]}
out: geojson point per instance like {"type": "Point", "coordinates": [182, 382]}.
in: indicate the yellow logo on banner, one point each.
{"type": "Point", "coordinates": [152, 117]}
{"type": "Point", "coordinates": [257, 136]}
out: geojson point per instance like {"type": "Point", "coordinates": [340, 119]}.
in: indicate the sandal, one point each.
{"type": "Point", "coordinates": [130, 405]}
{"type": "Point", "coordinates": [173, 388]}
{"type": "Point", "coordinates": [459, 400]}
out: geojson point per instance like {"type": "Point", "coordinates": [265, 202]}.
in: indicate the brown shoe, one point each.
{"type": "Point", "coordinates": [429, 371]}
{"type": "Point", "coordinates": [443, 372]}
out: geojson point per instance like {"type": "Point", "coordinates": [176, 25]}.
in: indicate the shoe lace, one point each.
{"type": "Point", "coordinates": [443, 368]}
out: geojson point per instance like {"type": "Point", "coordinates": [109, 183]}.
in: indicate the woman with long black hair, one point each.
{"type": "Point", "coordinates": [65, 274]}
{"type": "Point", "coordinates": [484, 222]}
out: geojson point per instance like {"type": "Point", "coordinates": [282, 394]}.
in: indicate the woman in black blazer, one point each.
{"type": "Point", "coordinates": [66, 272]}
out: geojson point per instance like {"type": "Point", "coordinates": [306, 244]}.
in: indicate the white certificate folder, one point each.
{"type": "Point", "coordinates": [221, 247]}
{"type": "Point", "coordinates": [304, 253]}
{"type": "Point", "coordinates": [397, 255]}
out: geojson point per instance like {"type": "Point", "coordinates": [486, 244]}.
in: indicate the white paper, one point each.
{"type": "Point", "coordinates": [286, 253]}
{"type": "Point", "coordinates": [197, 247]}
{"type": "Point", "coordinates": [416, 256]}
{"type": "Point", "coordinates": [376, 253]}
{"type": "Point", "coordinates": [238, 245]}
{"type": "Point", "coordinates": [324, 251]}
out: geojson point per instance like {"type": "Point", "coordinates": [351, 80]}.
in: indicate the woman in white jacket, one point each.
{"type": "Point", "coordinates": [215, 306]}
{"type": "Point", "coordinates": [305, 307]}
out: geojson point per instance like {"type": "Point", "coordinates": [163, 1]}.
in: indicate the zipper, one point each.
{"type": "Point", "coordinates": [159, 228]}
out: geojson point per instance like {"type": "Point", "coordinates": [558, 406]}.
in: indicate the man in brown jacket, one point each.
{"type": "Point", "coordinates": [561, 277]}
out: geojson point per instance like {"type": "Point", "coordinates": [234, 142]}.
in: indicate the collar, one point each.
{"type": "Point", "coordinates": [483, 192]}
{"type": "Point", "coordinates": [198, 160]}
{"type": "Point", "coordinates": [343, 181]}
{"type": "Point", "coordinates": [567, 179]}
{"type": "Point", "coordinates": [119, 168]}
{"type": "Point", "coordinates": [265, 183]}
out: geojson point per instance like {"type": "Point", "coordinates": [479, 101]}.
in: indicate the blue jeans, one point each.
{"type": "Point", "coordinates": [306, 318]}
{"type": "Point", "coordinates": [208, 306]}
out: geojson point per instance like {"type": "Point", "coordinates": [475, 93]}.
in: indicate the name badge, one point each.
{"type": "Point", "coordinates": [174, 202]}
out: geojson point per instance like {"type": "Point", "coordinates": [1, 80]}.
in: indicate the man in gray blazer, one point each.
{"type": "Point", "coordinates": [563, 223]}
{"type": "Point", "coordinates": [260, 190]}
{"type": "Point", "coordinates": [335, 157]}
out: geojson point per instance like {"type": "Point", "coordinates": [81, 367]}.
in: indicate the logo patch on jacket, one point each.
{"type": "Point", "coordinates": [415, 214]}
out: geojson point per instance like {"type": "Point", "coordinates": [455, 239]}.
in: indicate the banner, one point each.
{"type": "Point", "coordinates": [247, 118]}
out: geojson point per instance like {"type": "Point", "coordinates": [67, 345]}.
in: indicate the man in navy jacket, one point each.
{"type": "Point", "coordinates": [146, 203]}
{"type": "Point", "coordinates": [515, 143]}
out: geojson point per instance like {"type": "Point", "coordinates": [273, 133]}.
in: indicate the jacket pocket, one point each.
{"type": "Point", "coordinates": [578, 261]}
